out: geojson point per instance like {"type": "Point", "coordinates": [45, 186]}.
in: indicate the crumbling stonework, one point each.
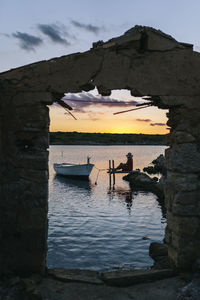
{"type": "Point", "coordinates": [24, 182]}
{"type": "Point", "coordinates": [183, 185]}
{"type": "Point", "coordinates": [144, 61]}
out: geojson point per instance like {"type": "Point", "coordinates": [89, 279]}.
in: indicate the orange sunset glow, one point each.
{"type": "Point", "coordinates": [99, 117]}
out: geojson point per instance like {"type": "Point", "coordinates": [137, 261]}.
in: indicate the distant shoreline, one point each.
{"type": "Point", "coordinates": [106, 139]}
{"type": "Point", "coordinates": [90, 144]}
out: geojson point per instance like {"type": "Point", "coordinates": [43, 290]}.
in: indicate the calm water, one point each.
{"type": "Point", "coordinates": [91, 227]}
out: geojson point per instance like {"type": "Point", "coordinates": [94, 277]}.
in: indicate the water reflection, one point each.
{"type": "Point", "coordinates": [124, 194]}
{"type": "Point", "coordinates": [93, 227]}
{"type": "Point", "coordinates": [74, 183]}
{"type": "Point", "coordinates": [129, 202]}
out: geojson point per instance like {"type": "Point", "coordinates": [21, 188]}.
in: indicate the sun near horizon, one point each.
{"type": "Point", "coordinates": [94, 114]}
{"type": "Point", "coordinates": [64, 123]}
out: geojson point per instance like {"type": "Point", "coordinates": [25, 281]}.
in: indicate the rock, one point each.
{"type": "Point", "coordinates": [145, 238]}
{"type": "Point", "coordinates": [158, 249]}
{"type": "Point", "coordinates": [159, 253]}
{"type": "Point", "coordinates": [141, 181]}
{"type": "Point", "coordinates": [150, 170]}
{"type": "Point", "coordinates": [161, 262]}
{"type": "Point", "coordinates": [17, 288]}
{"type": "Point", "coordinates": [160, 160]}
{"type": "Point", "coordinates": [131, 277]}
{"type": "Point", "coordinates": [139, 178]}
{"type": "Point", "coordinates": [158, 166]}
{"type": "Point", "coordinates": [75, 275]}
{"type": "Point", "coordinates": [191, 291]}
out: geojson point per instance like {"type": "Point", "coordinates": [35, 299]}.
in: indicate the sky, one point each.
{"type": "Point", "coordinates": [37, 30]}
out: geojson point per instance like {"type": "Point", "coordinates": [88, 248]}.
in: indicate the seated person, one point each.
{"type": "Point", "coordinates": [128, 166]}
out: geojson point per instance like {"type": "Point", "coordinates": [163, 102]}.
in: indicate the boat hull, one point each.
{"type": "Point", "coordinates": [74, 171]}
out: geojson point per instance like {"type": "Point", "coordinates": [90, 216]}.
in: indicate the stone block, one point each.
{"type": "Point", "coordinates": [157, 249]}
{"type": "Point", "coordinates": [73, 275]}
{"type": "Point", "coordinates": [181, 137]}
{"type": "Point", "coordinates": [24, 252]}
{"type": "Point", "coordinates": [151, 82]}
{"type": "Point", "coordinates": [181, 259]}
{"type": "Point", "coordinates": [183, 158]}
{"type": "Point", "coordinates": [186, 203]}
{"type": "Point", "coordinates": [187, 198]}
{"type": "Point", "coordinates": [40, 176]}
{"type": "Point", "coordinates": [173, 256]}
{"type": "Point", "coordinates": [168, 235]}
{"type": "Point", "coordinates": [131, 277]}
{"type": "Point", "coordinates": [25, 99]}
{"type": "Point", "coordinates": [187, 101]}
{"type": "Point", "coordinates": [189, 210]}
{"type": "Point", "coordinates": [182, 182]}
{"type": "Point", "coordinates": [160, 42]}
{"type": "Point", "coordinates": [34, 218]}
{"type": "Point", "coordinates": [185, 243]}
{"type": "Point", "coordinates": [35, 160]}
{"type": "Point", "coordinates": [185, 119]}
{"type": "Point", "coordinates": [183, 225]}
{"type": "Point", "coordinates": [24, 194]}
{"type": "Point", "coordinates": [82, 66]}
{"type": "Point", "coordinates": [119, 65]}
{"type": "Point", "coordinates": [169, 196]}
{"type": "Point", "coordinates": [130, 36]}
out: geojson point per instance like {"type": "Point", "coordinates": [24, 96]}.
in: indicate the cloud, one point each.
{"type": "Point", "coordinates": [5, 34]}
{"type": "Point", "coordinates": [157, 124]}
{"type": "Point", "coordinates": [27, 41]}
{"type": "Point", "coordinates": [87, 27]}
{"type": "Point", "coordinates": [91, 118]}
{"type": "Point", "coordinates": [54, 32]}
{"type": "Point", "coordinates": [84, 100]}
{"type": "Point", "coordinates": [143, 120]}
{"type": "Point", "coordinates": [94, 119]}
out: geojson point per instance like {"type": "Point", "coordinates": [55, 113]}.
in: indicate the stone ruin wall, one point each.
{"type": "Point", "coordinates": [182, 193]}
{"type": "Point", "coordinates": [24, 182]}
{"type": "Point", "coordinates": [128, 62]}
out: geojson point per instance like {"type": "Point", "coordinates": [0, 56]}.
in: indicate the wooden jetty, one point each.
{"type": "Point", "coordinates": [112, 172]}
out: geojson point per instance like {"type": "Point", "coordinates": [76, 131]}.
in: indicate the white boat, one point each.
{"type": "Point", "coordinates": [74, 170]}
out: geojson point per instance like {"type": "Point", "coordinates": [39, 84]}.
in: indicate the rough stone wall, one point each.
{"type": "Point", "coordinates": [158, 66]}
{"type": "Point", "coordinates": [144, 61]}
{"type": "Point", "coordinates": [183, 185]}
{"type": "Point", "coordinates": [24, 182]}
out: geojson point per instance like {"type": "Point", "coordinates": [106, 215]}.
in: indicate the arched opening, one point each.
{"type": "Point", "coordinates": [98, 226]}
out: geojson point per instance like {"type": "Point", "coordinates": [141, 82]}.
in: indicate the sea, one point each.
{"type": "Point", "coordinates": [95, 226]}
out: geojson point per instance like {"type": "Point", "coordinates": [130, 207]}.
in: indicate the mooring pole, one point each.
{"type": "Point", "coordinates": [110, 174]}
{"type": "Point", "coordinates": [113, 170]}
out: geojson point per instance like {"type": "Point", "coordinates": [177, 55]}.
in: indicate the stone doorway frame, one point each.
{"type": "Point", "coordinates": [144, 61]}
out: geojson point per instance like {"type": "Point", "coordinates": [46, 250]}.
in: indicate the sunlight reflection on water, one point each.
{"type": "Point", "coordinates": [91, 227]}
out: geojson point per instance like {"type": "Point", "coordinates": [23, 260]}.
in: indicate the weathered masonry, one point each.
{"type": "Point", "coordinates": [144, 61]}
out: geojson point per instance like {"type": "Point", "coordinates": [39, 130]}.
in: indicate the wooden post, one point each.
{"type": "Point", "coordinates": [110, 174]}
{"type": "Point", "coordinates": [113, 170]}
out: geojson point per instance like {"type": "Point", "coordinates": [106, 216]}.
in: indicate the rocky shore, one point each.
{"type": "Point", "coordinates": [141, 181]}
{"type": "Point", "coordinates": [63, 284]}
